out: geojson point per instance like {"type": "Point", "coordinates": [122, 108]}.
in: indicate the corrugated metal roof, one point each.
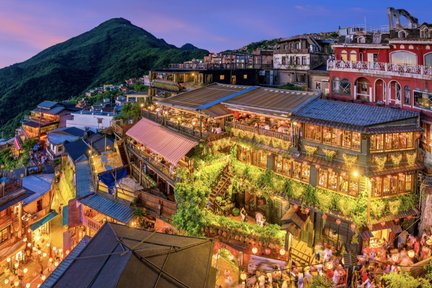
{"type": "Point", "coordinates": [194, 99]}
{"type": "Point", "coordinates": [40, 184]}
{"type": "Point", "coordinates": [353, 113]}
{"type": "Point", "coordinates": [76, 150]}
{"type": "Point", "coordinates": [64, 265]}
{"type": "Point", "coordinates": [269, 100]}
{"type": "Point", "coordinates": [84, 184]}
{"type": "Point", "coordinates": [47, 104]}
{"type": "Point", "coordinates": [55, 110]}
{"type": "Point", "coordinates": [116, 209]}
{"type": "Point", "coordinates": [160, 140]}
{"type": "Point", "coordinates": [61, 135]}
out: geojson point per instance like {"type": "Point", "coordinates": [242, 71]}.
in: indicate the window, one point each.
{"type": "Point", "coordinates": [301, 171]}
{"type": "Point", "coordinates": [304, 61]}
{"type": "Point", "coordinates": [392, 185]}
{"type": "Point", "coordinates": [342, 87]}
{"type": "Point", "coordinates": [428, 60]}
{"type": "Point", "coordinates": [407, 95]}
{"type": "Point", "coordinates": [284, 60]}
{"type": "Point", "coordinates": [392, 141]}
{"type": "Point", "coordinates": [282, 166]}
{"type": "Point", "coordinates": [312, 132]}
{"type": "Point", "coordinates": [353, 56]}
{"type": "Point", "coordinates": [423, 100]}
{"type": "Point", "coordinates": [39, 205]}
{"type": "Point", "coordinates": [344, 55]}
{"type": "Point", "coordinates": [221, 77]}
{"type": "Point", "coordinates": [4, 234]}
{"type": "Point", "coordinates": [403, 57]}
{"type": "Point", "coordinates": [340, 182]}
{"type": "Point", "coordinates": [245, 76]}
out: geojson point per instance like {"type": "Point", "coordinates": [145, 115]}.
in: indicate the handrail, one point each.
{"type": "Point", "coordinates": [261, 131]}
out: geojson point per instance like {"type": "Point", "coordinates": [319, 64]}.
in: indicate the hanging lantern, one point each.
{"type": "Point", "coordinates": [411, 253]}
{"type": "Point", "coordinates": [395, 257]}
{"type": "Point", "coordinates": [295, 207]}
{"type": "Point", "coordinates": [282, 252]}
{"type": "Point", "coordinates": [329, 265]}
{"type": "Point", "coordinates": [352, 226]}
{"type": "Point", "coordinates": [254, 250]}
{"type": "Point", "coordinates": [267, 251]}
{"type": "Point", "coordinates": [383, 224]}
{"type": "Point", "coordinates": [409, 217]}
{"type": "Point", "coordinates": [306, 210]}
{"type": "Point", "coordinates": [324, 217]}
{"type": "Point", "coordinates": [338, 221]}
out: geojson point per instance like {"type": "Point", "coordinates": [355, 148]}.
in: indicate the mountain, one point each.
{"type": "Point", "coordinates": [112, 52]}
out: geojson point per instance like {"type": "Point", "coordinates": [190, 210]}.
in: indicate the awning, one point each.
{"type": "Point", "coordinates": [366, 234]}
{"type": "Point", "coordinates": [395, 228]}
{"type": "Point", "coordinates": [114, 208]}
{"type": "Point", "coordinates": [44, 220]}
{"type": "Point", "coordinates": [65, 215]}
{"type": "Point", "coordinates": [166, 85]}
{"type": "Point", "coordinates": [9, 201]}
{"type": "Point", "coordinates": [170, 145]}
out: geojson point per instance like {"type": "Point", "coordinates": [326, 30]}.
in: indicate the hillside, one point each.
{"type": "Point", "coordinates": [112, 52]}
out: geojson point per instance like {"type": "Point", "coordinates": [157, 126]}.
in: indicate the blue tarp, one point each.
{"type": "Point", "coordinates": [111, 176]}
{"type": "Point", "coordinates": [42, 221]}
{"type": "Point", "coordinates": [65, 215]}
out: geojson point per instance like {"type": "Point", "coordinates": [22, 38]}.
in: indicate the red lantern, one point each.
{"type": "Point", "coordinates": [306, 210]}
{"type": "Point", "coordinates": [383, 224]}
{"type": "Point", "coordinates": [352, 226]}
{"type": "Point", "coordinates": [267, 251]}
{"type": "Point", "coordinates": [324, 217]}
{"type": "Point", "coordinates": [409, 217]}
{"type": "Point", "coordinates": [338, 221]}
{"type": "Point", "coordinates": [296, 207]}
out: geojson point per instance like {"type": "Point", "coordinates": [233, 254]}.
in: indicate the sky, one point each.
{"type": "Point", "coordinates": [29, 26]}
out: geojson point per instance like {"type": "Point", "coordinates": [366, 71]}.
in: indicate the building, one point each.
{"type": "Point", "coordinates": [58, 137]}
{"type": "Point", "coordinates": [127, 251]}
{"type": "Point", "coordinates": [47, 116]}
{"type": "Point", "coordinates": [352, 168]}
{"type": "Point", "coordinates": [12, 227]}
{"type": "Point", "coordinates": [295, 57]}
{"type": "Point", "coordinates": [226, 68]}
{"type": "Point", "coordinates": [391, 67]}
{"type": "Point", "coordinates": [93, 121]}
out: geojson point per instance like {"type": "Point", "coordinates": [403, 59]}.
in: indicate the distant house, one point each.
{"type": "Point", "coordinates": [58, 137]}
{"type": "Point", "coordinates": [116, 253]}
{"type": "Point", "coordinates": [47, 116]}
{"type": "Point", "coordinates": [76, 151]}
{"type": "Point", "coordinates": [91, 120]}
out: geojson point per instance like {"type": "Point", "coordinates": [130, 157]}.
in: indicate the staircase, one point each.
{"type": "Point", "coordinates": [224, 180]}
{"type": "Point", "coordinates": [123, 153]}
{"type": "Point", "coordinates": [300, 253]}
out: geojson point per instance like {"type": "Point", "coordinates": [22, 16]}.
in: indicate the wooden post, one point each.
{"type": "Point", "coordinates": [201, 126]}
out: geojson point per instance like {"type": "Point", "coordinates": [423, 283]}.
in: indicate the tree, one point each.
{"type": "Point", "coordinates": [398, 280]}
{"type": "Point", "coordinates": [130, 111]}
{"type": "Point", "coordinates": [321, 282]}
{"type": "Point", "coordinates": [139, 87]}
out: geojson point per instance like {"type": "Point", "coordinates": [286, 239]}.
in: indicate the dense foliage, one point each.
{"type": "Point", "coordinates": [399, 280]}
{"type": "Point", "coordinates": [110, 53]}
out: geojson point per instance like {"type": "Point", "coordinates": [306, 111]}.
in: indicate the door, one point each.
{"type": "Point", "coordinates": [379, 91]}
{"type": "Point", "coordinates": [233, 79]}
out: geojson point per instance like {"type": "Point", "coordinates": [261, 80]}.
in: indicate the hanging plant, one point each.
{"type": "Point", "coordinates": [394, 206]}
{"type": "Point", "coordinates": [286, 145]}
{"type": "Point", "coordinates": [235, 132]}
{"type": "Point", "coordinates": [411, 158]}
{"type": "Point", "coordinates": [377, 208]}
{"type": "Point", "coordinates": [310, 150]}
{"type": "Point", "coordinates": [380, 161]}
{"type": "Point", "coordinates": [396, 158]}
{"type": "Point", "coordinates": [329, 154]}
{"type": "Point", "coordinates": [266, 140]}
{"type": "Point", "coordinates": [349, 159]}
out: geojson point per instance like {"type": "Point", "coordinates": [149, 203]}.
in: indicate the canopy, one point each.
{"type": "Point", "coordinates": [160, 140]}
{"type": "Point", "coordinates": [44, 220]}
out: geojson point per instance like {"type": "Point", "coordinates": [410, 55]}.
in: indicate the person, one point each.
{"type": "Point", "coordinates": [243, 214]}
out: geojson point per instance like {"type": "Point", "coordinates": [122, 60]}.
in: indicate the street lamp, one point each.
{"type": "Point", "coordinates": [338, 222]}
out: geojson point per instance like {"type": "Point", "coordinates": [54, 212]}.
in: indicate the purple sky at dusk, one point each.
{"type": "Point", "coordinates": [28, 26]}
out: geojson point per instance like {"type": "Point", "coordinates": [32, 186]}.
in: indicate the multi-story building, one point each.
{"type": "Point", "coordinates": [352, 167]}
{"type": "Point", "coordinates": [294, 58]}
{"type": "Point", "coordinates": [226, 68]}
{"type": "Point", "coordinates": [389, 68]}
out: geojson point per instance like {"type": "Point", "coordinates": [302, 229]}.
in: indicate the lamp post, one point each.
{"type": "Point", "coordinates": [338, 222]}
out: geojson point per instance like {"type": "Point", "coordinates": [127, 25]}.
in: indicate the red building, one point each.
{"type": "Point", "coordinates": [391, 68]}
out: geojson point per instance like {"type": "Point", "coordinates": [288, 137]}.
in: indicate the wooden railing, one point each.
{"type": "Point", "coordinates": [261, 131]}
{"type": "Point", "coordinates": [93, 224]}
{"type": "Point", "coordinates": [152, 202]}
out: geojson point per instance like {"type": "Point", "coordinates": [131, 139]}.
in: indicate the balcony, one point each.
{"type": "Point", "coordinates": [377, 68]}
{"type": "Point", "coordinates": [93, 224]}
{"type": "Point", "coordinates": [292, 51]}
{"type": "Point", "coordinates": [261, 131]}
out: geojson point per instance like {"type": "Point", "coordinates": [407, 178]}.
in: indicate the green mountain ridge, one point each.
{"type": "Point", "coordinates": [112, 52]}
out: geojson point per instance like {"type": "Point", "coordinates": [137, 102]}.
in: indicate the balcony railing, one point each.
{"type": "Point", "coordinates": [93, 224]}
{"type": "Point", "coordinates": [215, 66]}
{"type": "Point", "coordinates": [417, 71]}
{"type": "Point", "coordinates": [261, 131]}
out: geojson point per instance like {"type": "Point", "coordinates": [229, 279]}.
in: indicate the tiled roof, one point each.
{"type": "Point", "coordinates": [116, 209]}
{"type": "Point", "coordinates": [352, 113]}
{"type": "Point", "coordinates": [39, 184]}
{"type": "Point", "coordinates": [62, 135]}
{"type": "Point", "coordinates": [47, 104]}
